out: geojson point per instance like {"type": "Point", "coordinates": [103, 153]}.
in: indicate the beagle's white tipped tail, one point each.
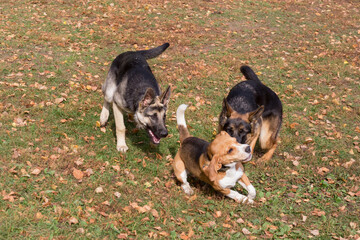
{"type": "Point", "coordinates": [181, 122]}
{"type": "Point", "coordinates": [180, 115]}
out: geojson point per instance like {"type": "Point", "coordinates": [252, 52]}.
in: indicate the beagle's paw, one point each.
{"type": "Point", "coordinates": [239, 197]}
{"type": "Point", "coordinates": [187, 189]}
{"type": "Point", "coordinates": [246, 200]}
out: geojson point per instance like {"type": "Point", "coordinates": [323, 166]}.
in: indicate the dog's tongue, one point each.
{"type": "Point", "coordinates": [153, 137]}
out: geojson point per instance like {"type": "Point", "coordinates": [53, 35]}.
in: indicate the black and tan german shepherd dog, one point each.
{"type": "Point", "coordinates": [252, 111]}
{"type": "Point", "coordinates": [132, 88]}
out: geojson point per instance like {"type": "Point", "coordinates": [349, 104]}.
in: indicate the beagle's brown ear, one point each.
{"type": "Point", "coordinates": [255, 115]}
{"type": "Point", "coordinates": [212, 170]}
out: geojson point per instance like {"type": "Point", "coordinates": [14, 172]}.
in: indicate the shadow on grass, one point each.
{"type": "Point", "coordinates": [134, 137]}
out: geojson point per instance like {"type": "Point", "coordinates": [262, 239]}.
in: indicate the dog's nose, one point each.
{"type": "Point", "coordinates": [163, 133]}
{"type": "Point", "coordinates": [248, 149]}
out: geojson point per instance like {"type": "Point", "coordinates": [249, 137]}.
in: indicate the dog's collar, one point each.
{"type": "Point", "coordinates": [223, 168]}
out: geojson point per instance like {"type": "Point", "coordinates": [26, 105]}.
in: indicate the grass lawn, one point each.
{"type": "Point", "coordinates": [61, 176]}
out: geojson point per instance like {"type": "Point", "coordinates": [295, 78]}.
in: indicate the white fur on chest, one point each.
{"type": "Point", "coordinates": [231, 177]}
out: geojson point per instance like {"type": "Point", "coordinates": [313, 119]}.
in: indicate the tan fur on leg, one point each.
{"type": "Point", "coordinates": [120, 129]}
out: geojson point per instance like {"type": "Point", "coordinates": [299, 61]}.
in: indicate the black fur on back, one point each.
{"type": "Point", "coordinates": [132, 65]}
{"type": "Point", "coordinates": [248, 95]}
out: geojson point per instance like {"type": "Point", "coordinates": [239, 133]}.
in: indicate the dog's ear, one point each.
{"type": "Point", "coordinates": [165, 96]}
{"type": "Point", "coordinates": [229, 109]}
{"type": "Point", "coordinates": [212, 170]}
{"type": "Point", "coordinates": [148, 98]}
{"type": "Point", "coordinates": [255, 115]}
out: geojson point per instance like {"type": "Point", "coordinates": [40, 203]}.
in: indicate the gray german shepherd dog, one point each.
{"type": "Point", "coordinates": [132, 88]}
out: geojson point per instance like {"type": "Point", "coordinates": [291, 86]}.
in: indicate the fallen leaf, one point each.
{"type": "Point", "coordinates": [59, 100]}
{"type": "Point", "coordinates": [318, 212]}
{"type": "Point", "coordinates": [349, 163]}
{"type": "Point", "coordinates": [80, 230]}
{"type": "Point", "coordinates": [78, 174]}
{"type": "Point", "coordinates": [217, 214]}
{"type": "Point", "coordinates": [99, 190]}
{"type": "Point", "coordinates": [73, 220]}
{"type": "Point", "coordinates": [117, 194]}
{"type": "Point", "coordinates": [24, 173]}
{"type": "Point", "coordinates": [314, 232]}
{"type": "Point", "coordinates": [225, 225]}
{"type": "Point", "coordinates": [245, 231]}
{"type": "Point", "coordinates": [165, 234]}
{"type": "Point", "coordinates": [154, 213]}
{"type": "Point", "coordinates": [36, 171]}
{"type": "Point", "coordinates": [239, 220]}
{"type": "Point", "coordinates": [116, 168]}
{"type": "Point", "coordinates": [122, 236]}
{"type": "Point", "coordinates": [38, 215]}
{"type": "Point", "coordinates": [353, 225]}
{"type": "Point", "coordinates": [323, 170]}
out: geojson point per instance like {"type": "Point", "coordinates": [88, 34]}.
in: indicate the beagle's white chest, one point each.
{"type": "Point", "coordinates": [231, 177]}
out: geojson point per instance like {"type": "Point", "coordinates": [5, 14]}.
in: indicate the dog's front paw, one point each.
{"type": "Point", "coordinates": [104, 116]}
{"type": "Point", "coordinates": [247, 200]}
{"type": "Point", "coordinates": [187, 189]}
{"type": "Point", "coordinates": [122, 148]}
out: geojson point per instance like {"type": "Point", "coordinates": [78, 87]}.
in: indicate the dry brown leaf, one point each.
{"type": "Point", "coordinates": [318, 212]}
{"type": "Point", "coordinates": [59, 100]}
{"type": "Point", "coordinates": [349, 163]}
{"type": "Point", "coordinates": [122, 236]}
{"type": "Point", "coordinates": [240, 220]}
{"type": "Point", "coordinates": [154, 213]}
{"type": "Point", "coordinates": [116, 168]}
{"type": "Point", "coordinates": [314, 232]}
{"type": "Point", "coordinates": [165, 234]}
{"type": "Point", "coordinates": [73, 220]}
{"type": "Point", "coordinates": [225, 225]}
{"type": "Point", "coordinates": [24, 173]}
{"type": "Point", "coordinates": [36, 171]}
{"type": "Point", "coordinates": [38, 215]}
{"type": "Point", "coordinates": [99, 190]}
{"type": "Point", "coordinates": [245, 231]}
{"type": "Point", "coordinates": [323, 170]}
{"type": "Point", "coordinates": [78, 174]}
{"type": "Point", "coordinates": [217, 214]}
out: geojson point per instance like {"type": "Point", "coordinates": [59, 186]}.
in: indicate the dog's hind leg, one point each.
{"type": "Point", "coordinates": [108, 89]}
{"type": "Point", "coordinates": [104, 116]}
{"type": "Point", "coordinates": [268, 139]}
{"type": "Point", "coordinates": [120, 129]}
{"type": "Point", "coordinates": [181, 174]}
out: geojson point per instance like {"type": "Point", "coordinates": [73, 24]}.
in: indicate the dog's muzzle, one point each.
{"type": "Point", "coordinates": [156, 139]}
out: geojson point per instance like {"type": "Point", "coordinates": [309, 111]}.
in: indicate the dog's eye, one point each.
{"type": "Point", "coordinates": [154, 116]}
{"type": "Point", "coordinates": [230, 150]}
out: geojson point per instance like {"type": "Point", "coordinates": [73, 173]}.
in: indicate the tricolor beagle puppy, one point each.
{"type": "Point", "coordinates": [218, 163]}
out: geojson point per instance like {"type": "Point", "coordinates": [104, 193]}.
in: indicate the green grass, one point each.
{"type": "Point", "coordinates": [307, 52]}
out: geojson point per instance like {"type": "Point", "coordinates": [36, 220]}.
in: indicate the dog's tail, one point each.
{"type": "Point", "coordinates": [180, 118]}
{"type": "Point", "coordinates": [249, 73]}
{"type": "Point", "coordinates": [154, 52]}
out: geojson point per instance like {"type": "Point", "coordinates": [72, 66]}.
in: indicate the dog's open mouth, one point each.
{"type": "Point", "coordinates": [247, 159]}
{"type": "Point", "coordinates": [153, 138]}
